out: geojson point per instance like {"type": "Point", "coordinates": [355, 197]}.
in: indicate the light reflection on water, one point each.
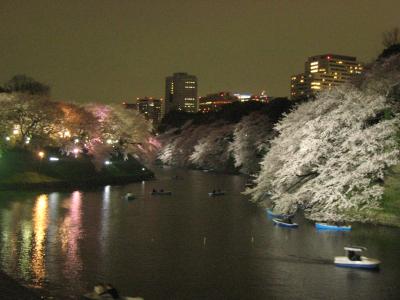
{"type": "Point", "coordinates": [40, 213]}
{"type": "Point", "coordinates": [70, 233]}
{"type": "Point", "coordinates": [26, 248]}
{"type": "Point", "coordinates": [185, 246]}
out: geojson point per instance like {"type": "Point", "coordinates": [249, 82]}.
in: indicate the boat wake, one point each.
{"type": "Point", "coordinates": [298, 259]}
{"type": "Point", "coordinates": [311, 260]}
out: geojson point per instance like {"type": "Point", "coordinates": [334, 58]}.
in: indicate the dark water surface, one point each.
{"type": "Point", "coordinates": [184, 246]}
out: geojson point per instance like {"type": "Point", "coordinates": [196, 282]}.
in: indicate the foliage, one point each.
{"type": "Point", "coordinates": [251, 141]}
{"type": "Point", "coordinates": [24, 84]}
{"type": "Point", "coordinates": [211, 152]}
{"type": "Point", "coordinates": [203, 135]}
{"type": "Point", "coordinates": [391, 37]}
{"type": "Point", "coordinates": [329, 158]}
{"type": "Point", "coordinates": [118, 130]}
{"type": "Point", "coordinates": [21, 167]}
{"type": "Point", "coordinates": [28, 119]}
{"type": "Point", "coordinates": [35, 122]}
{"type": "Point", "coordinates": [382, 77]}
{"type": "Point", "coordinates": [178, 144]}
{"type": "Point", "coordinates": [230, 113]}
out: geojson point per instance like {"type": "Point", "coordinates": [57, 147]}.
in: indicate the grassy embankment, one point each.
{"type": "Point", "coordinates": [391, 199]}
{"type": "Point", "coordinates": [389, 213]}
{"type": "Point", "coordinates": [22, 169]}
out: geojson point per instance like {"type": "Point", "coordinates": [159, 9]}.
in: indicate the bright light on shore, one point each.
{"type": "Point", "coordinates": [143, 169]}
{"type": "Point", "coordinates": [107, 162]}
{"type": "Point", "coordinates": [53, 158]}
{"type": "Point", "coordinates": [76, 152]}
{"type": "Point", "coordinates": [41, 154]}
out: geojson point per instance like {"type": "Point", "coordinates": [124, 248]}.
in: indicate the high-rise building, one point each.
{"type": "Point", "coordinates": [322, 72]}
{"type": "Point", "coordinates": [151, 108]}
{"type": "Point", "coordinates": [181, 93]}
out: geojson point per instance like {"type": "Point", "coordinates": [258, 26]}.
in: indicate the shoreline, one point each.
{"type": "Point", "coordinates": [11, 289]}
{"type": "Point", "coordinates": [88, 183]}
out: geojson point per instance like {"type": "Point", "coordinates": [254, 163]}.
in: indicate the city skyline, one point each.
{"type": "Point", "coordinates": [105, 51]}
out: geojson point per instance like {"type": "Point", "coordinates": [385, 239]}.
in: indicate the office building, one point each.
{"type": "Point", "coordinates": [323, 72]}
{"type": "Point", "coordinates": [181, 93]}
{"type": "Point", "coordinates": [150, 107]}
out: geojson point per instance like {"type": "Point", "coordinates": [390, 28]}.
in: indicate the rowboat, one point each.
{"type": "Point", "coordinates": [325, 226]}
{"type": "Point", "coordinates": [353, 259]}
{"type": "Point", "coordinates": [161, 193]}
{"type": "Point", "coordinates": [217, 193]}
{"type": "Point", "coordinates": [284, 223]}
{"type": "Point", "coordinates": [129, 196]}
{"type": "Point", "coordinates": [271, 214]}
{"type": "Point", "coordinates": [101, 292]}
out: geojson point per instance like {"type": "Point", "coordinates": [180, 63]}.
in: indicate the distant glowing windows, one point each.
{"type": "Point", "coordinates": [314, 67]}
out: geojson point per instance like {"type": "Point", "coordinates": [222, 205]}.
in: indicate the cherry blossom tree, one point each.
{"type": "Point", "coordinates": [250, 142]}
{"type": "Point", "coordinates": [211, 152]}
{"type": "Point", "coordinates": [178, 144]}
{"type": "Point", "coordinates": [330, 156]}
{"type": "Point", "coordinates": [118, 131]}
{"type": "Point", "coordinates": [29, 119]}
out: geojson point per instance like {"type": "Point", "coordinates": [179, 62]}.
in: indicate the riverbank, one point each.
{"type": "Point", "coordinates": [10, 289]}
{"type": "Point", "coordinates": [23, 170]}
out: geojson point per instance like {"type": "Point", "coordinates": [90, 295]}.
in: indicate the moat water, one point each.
{"type": "Point", "coordinates": [184, 246]}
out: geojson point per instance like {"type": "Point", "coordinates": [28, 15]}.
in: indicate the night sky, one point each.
{"type": "Point", "coordinates": [117, 50]}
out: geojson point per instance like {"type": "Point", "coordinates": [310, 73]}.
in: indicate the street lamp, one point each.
{"type": "Point", "coordinates": [76, 151]}
{"type": "Point", "coordinates": [41, 154]}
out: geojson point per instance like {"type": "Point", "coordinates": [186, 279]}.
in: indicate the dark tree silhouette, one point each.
{"type": "Point", "coordinates": [25, 84]}
{"type": "Point", "coordinates": [391, 37]}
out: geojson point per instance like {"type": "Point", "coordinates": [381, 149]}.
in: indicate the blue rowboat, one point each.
{"type": "Point", "coordinates": [282, 223]}
{"type": "Point", "coordinates": [324, 226]}
{"type": "Point", "coordinates": [271, 214]}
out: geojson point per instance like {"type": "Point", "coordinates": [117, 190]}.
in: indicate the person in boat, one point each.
{"type": "Point", "coordinates": [154, 191]}
{"type": "Point", "coordinates": [353, 256]}
{"type": "Point", "coordinates": [100, 290]}
{"type": "Point", "coordinates": [288, 220]}
{"type": "Point", "coordinates": [112, 291]}
{"type": "Point", "coordinates": [161, 190]}
{"type": "Point", "coordinates": [214, 191]}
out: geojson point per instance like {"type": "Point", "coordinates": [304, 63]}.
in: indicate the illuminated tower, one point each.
{"type": "Point", "coordinates": [181, 93]}
{"type": "Point", "coordinates": [322, 72]}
